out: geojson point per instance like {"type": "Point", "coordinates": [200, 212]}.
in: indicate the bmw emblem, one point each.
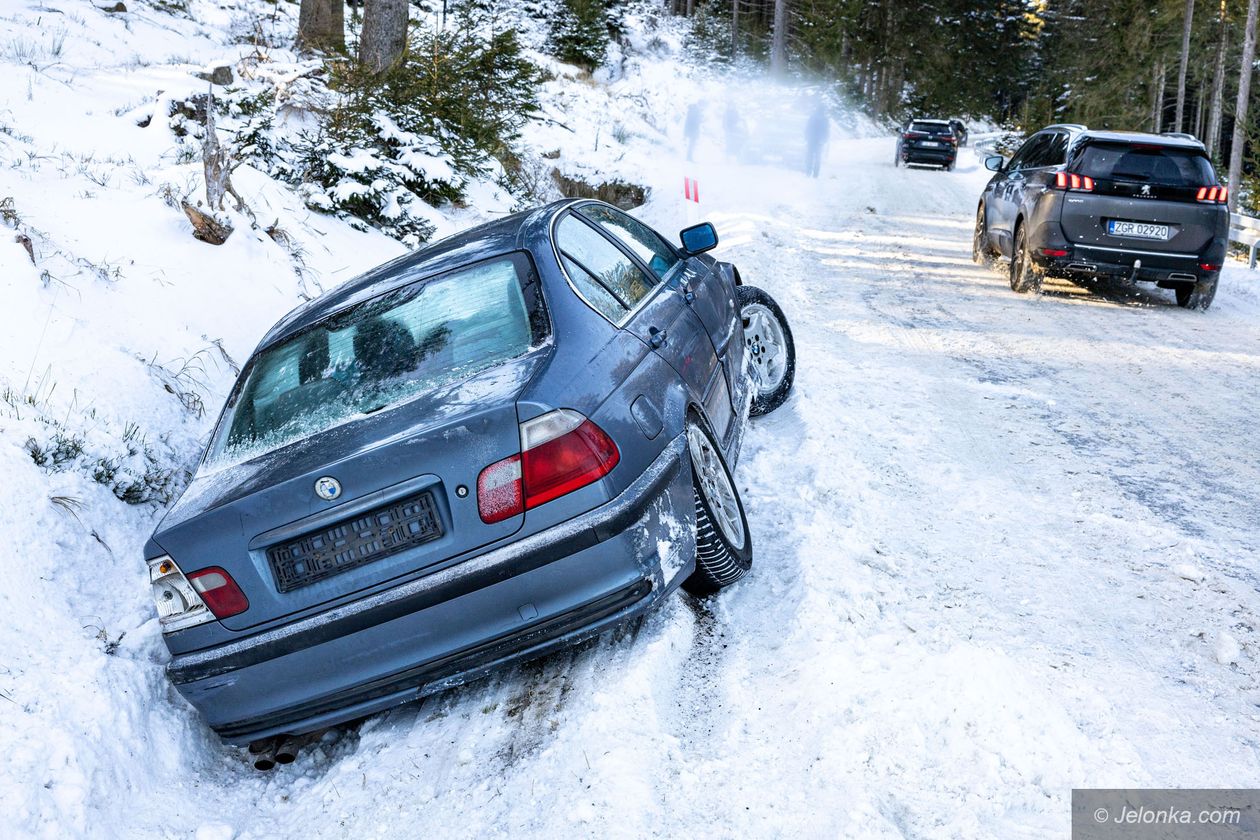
{"type": "Point", "coordinates": [327, 488]}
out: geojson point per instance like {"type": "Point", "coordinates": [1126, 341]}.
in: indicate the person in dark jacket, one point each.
{"type": "Point", "coordinates": [817, 133]}
{"type": "Point", "coordinates": [691, 128]}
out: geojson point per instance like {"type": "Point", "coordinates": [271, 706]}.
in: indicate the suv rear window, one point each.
{"type": "Point", "coordinates": [931, 127]}
{"type": "Point", "coordinates": [380, 353]}
{"type": "Point", "coordinates": [1147, 164]}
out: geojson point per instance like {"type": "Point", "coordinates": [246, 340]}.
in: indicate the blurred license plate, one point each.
{"type": "Point", "coordinates": [1140, 230]}
{"type": "Point", "coordinates": [930, 143]}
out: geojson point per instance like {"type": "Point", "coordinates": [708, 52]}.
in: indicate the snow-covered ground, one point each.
{"type": "Point", "coordinates": [1006, 544]}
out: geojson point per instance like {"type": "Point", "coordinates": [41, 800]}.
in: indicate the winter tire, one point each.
{"type": "Point", "coordinates": [769, 347]}
{"type": "Point", "coordinates": [981, 253]}
{"type": "Point", "coordinates": [1024, 275]}
{"type": "Point", "coordinates": [1197, 295]}
{"type": "Point", "coordinates": [723, 541]}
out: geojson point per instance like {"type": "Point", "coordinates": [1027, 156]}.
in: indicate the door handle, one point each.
{"type": "Point", "coordinates": [656, 338]}
{"type": "Point", "coordinates": [687, 294]}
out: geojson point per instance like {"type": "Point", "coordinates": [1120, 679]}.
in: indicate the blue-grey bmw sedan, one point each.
{"type": "Point", "coordinates": [506, 442]}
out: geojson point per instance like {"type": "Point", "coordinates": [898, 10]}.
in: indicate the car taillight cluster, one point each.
{"type": "Point", "coordinates": [561, 451]}
{"type": "Point", "coordinates": [1072, 181]}
{"type": "Point", "coordinates": [185, 601]}
{"type": "Point", "coordinates": [1213, 195]}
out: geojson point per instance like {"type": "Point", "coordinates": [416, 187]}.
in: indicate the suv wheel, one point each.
{"type": "Point", "coordinates": [770, 350]}
{"type": "Point", "coordinates": [981, 253]}
{"type": "Point", "coordinates": [1024, 275]}
{"type": "Point", "coordinates": [723, 541]}
{"type": "Point", "coordinates": [1197, 295]}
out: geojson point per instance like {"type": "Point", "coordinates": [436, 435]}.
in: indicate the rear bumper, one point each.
{"type": "Point", "coordinates": [1116, 261]}
{"type": "Point", "coordinates": [938, 157]}
{"type": "Point", "coordinates": [546, 591]}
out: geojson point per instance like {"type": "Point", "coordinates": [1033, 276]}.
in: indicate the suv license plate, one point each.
{"type": "Point", "coordinates": [1139, 230]}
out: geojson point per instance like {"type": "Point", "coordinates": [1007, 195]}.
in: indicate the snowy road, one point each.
{"type": "Point", "coordinates": [1003, 544]}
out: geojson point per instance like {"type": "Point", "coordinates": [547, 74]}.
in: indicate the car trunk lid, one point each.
{"type": "Point", "coordinates": [399, 512]}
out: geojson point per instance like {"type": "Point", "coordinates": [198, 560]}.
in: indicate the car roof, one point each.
{"type": "Point", "coordinates": [1178, 141]}
{"type": "Point", "coordinates": [926, 120]}
{"type": "Point", "coordinates": [497, 237]}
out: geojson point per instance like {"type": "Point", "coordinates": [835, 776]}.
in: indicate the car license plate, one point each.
{"type": "Point", "coordinates": [930, 143]}
{"type": "Point", "coordinates": [1139, 230]}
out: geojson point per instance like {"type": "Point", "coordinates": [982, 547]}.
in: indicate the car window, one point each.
{"type": "Point", "coordinates": [1146, 164]}
{"type": "Point", "coordinates": [1056, 149]}
{"type": "Point", "coordinates": [1032, 152]}
{"type": "Point", "coordinates": [377, 354]}
{"type": "Point", "coordinates": [638, 238]}
{"type": "Point", "coordinates": [601, 266]}
{"type": "Point", "coordinates": [930, 127]}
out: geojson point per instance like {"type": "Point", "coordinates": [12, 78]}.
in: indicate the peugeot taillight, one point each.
{"type": "Point", "coordinates": [1212, 195]}
{"type": "Point", "coordinates": [561, 451]}
{"type": "Point", "coordinates": [219, 592]}
{"type": "Point", "coordinates": [1072, 181]}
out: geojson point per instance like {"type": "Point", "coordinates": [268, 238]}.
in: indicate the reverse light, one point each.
{"type": "Point", "coordinates": [178, 604]}
{"type": "Point", "coordinates": [219, 592]}
{"type": "Point", "coordinates": [561, 451]}
{"type": "Point", "coordinates": [1213, 195]}
{"type": "Point", "coordinates": [1072, 181]}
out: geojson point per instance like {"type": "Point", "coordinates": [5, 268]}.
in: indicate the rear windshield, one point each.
{"type": "Point", "coordinates": [380, 353]}
{"type": "Point", "coordinates": [1145, 164]}
{"type": "Point", "coordinates": [931, 127]}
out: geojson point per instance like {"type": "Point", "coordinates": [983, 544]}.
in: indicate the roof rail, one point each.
{"type": "Point", "coordinates": [1180, 135]}
{"type": "Point", "coordinates": [1076, 126]}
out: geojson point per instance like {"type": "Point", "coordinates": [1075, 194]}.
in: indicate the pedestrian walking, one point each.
{"type": "Point", "coordinates": [817, 133]}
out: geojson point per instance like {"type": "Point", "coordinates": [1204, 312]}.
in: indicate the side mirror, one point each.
{"type": "Point", "coordinates": [699, 238]}
{"type": "Point", "coordinates": [994, 163]}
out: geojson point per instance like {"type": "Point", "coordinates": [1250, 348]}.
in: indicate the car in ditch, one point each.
{"type": "Point", "coordinates": [927, 143]}
{"type": "Point", "coordinates": [500, 444]}
{"type": "Point", "coordinates": [1077, 203]}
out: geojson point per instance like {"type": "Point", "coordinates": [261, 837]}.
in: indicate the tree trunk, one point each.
{"type": "Point", "coordinates": [1178, 120]}
{"type": "Point", "coordinates": [1218, 87]}
{"type": "Point", "coordinates": [322, 25]}
{"type": "Point", "coordinates": [734, 27]}
{"type": "Point", "coordinates": [384, 35]}
{"type": "Point", "coordinates": [778, 45]}
{"type": "Point", "coordinates": [1240, 111]}
{"type": "Point", "coordinates": [1157, 98]}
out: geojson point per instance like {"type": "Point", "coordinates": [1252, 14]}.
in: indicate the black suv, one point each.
{"type": "Point", "coordinates": [1079, 203]}
{"type": "Point", "coordinates": [927, 141]}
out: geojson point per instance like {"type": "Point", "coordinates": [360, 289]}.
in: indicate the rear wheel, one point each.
{"type": "Point", "coordinates": [981, 253]}
{"type": "Point", "coordinates": [1024, 275]}
{"type": "Point", "coordinates": [723, 542]}
{"type": "Point", "coordinates": [770, 349]}
{"type": "Point", "coordinates": [1197, 295]}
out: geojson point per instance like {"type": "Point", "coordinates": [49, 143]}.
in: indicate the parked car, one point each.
{"type": "Point", "coordinates": [930, 142]}
{"type": "Point", "coordinates": [960, 131]}
{"type": "Point", "coordinates": [500, 444]}
{"type": "Point", "coordinates": [1079, 203]}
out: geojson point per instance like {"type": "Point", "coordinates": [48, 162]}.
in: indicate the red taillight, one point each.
{"type": "Point", "coordinates": [1072, 181]}
{"type": "Point", "coordinates": [1215, 195]}
{"type": "Point", "coordinates": [220, 593]}
{"type": "Point", "coordinates": [561, 451]}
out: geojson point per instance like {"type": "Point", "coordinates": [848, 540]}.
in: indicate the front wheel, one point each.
{"type": "Point", "coordinates": [981, 253]}
{"type": "Point", "coordinates": [770, 349]}
{"type": "Point", "coordinates": [723, 541]}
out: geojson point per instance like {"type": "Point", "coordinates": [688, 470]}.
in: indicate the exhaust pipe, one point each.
{"type": "Point", "coordinates": [1187, 277]}
{"type": "Point", "coordinates": [264, 753]}
{"type": "Point", "coordinates": [1089, 269]}
{"type": "Point", "coordinates": [286, 749]}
